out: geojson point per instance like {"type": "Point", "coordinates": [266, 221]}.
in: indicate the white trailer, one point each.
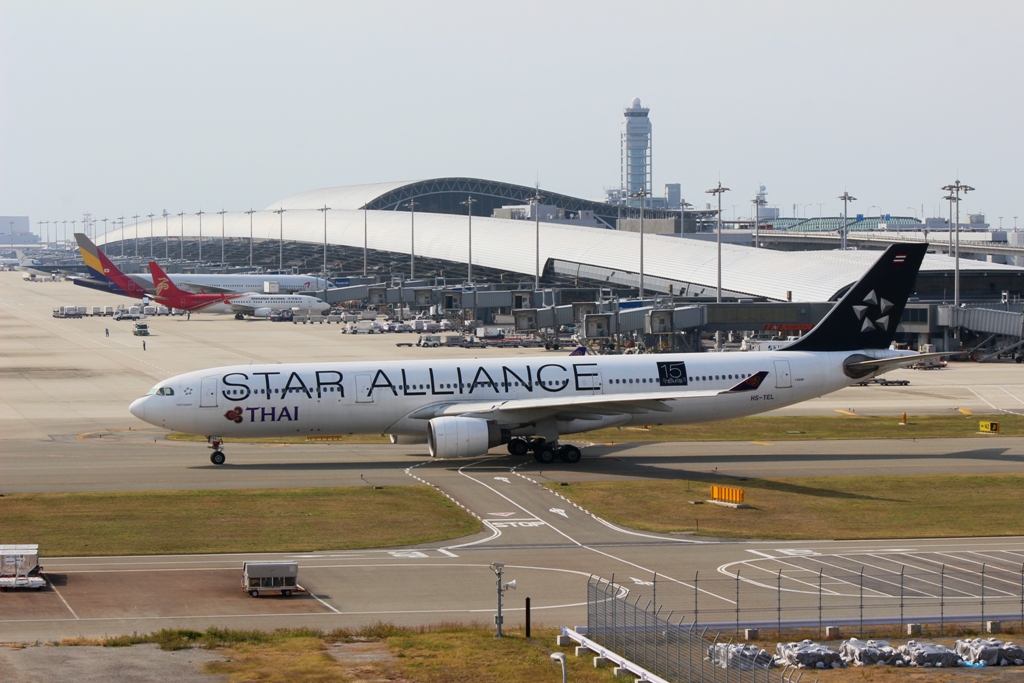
{"type": "Point", "coordinates": [258, 577]}
{"type": "Point", "coordinates": [19, 567]}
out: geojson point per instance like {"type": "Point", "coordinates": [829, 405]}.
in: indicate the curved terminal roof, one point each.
{"type": "Point", "coordinates": [508, 245]}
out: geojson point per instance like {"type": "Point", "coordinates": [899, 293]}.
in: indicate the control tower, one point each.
{"type": "Point", "coordinates": [635, 151]}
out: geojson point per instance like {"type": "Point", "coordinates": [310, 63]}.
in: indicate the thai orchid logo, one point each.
{"type": "Point", "coordinates": [235, 415]}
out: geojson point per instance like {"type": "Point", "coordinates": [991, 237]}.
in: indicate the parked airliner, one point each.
{"type": "Point", "coordinates": [213, 283]}
{"type": "Point", "coordinates": [466, 407]}
{"type": "Point", "coordinates": [261, 305]}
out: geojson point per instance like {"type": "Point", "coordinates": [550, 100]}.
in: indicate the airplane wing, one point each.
{"type": "Point", "coordinates": [579, 407]}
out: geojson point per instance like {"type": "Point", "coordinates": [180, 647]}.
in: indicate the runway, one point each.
{"type": "Point", "coordinates": [64, 426]}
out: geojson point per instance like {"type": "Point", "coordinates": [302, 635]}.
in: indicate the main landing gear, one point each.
{"type": "Point", "coordinates": [545, 451]}
{"type": "Point", "coordinates": [217, 457]}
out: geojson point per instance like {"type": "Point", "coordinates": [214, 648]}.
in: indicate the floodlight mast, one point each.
{"type": "Point", "coordinates": [136, 217]}
{"type": "Point", "coordinates": [717, 190]}
{"type": "Point", "coordinates": [955, 189]}
{"type": "Point", "coordinates": [280, 256]}
{"type": "Point", "coordinates": [325, 209]}
{"type": "Point", "coordinates": [222, 212]}
{"type": "Point", "coordinates": [412, 237]}
{"type": "Point", "coordinates": [151, 235]}
{"type": "Point", "coordinates": [469, 265]}
{"type": "Point", "coordinates": [200, 214]}
{"type": "Point", "coordinates": [250, 212]}
{"type": "Point", "coordinates": [842, 237]}
{"type": "Point", "coordinates": [640, 195]}
{"type": "Point", "coordinates": [181, 240]}
{"type": "Point", "coordinates": [167, 237]}
{"type": "Point", "coordinates": [535, 200]}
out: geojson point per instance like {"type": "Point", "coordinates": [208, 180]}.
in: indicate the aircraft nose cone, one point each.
{"type": "Point", "coordinates": [138, 408]}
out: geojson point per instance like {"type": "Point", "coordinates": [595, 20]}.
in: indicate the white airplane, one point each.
{"type": "Point", "coordinates": [463, 408]}
{"type": "Point", "coordinates": [215, 283]}
{"type": "Point", "coordinates": [239, 303]}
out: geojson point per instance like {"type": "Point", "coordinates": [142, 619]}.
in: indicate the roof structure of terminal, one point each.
{"type": "Point", "coordinates": [379, 213]}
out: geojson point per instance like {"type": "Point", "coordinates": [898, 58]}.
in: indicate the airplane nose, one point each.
{"type": "Point", "coordinates": [138, 408]}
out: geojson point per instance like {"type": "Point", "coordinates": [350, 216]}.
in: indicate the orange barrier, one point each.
{"type": "Point", "coordinates": [726, 494]}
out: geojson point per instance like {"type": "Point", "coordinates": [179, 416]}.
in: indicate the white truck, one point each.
{"type": "Point", "coordinates": [19, 567]}
{"type": "Point", "coordinates": [258, 577]}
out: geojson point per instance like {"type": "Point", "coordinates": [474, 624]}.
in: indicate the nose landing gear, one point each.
{"type": "Point", "coordinates": [217, 457]}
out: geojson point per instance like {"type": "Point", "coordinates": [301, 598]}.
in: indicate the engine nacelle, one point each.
{"type": "Point", "coordinates": [462, 437]}
{"type": "Point", "coordinates": [406, 440]}
{"type": "Point", "coordinates": [262, 312]}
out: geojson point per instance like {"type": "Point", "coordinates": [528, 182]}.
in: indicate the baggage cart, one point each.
{"type": "Point", "coordinates": [259, 577]}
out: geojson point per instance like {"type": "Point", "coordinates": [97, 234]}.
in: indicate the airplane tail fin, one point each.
{"type": "Point", "coordinates": [165, 287]}
{"type": "Point", "coordinates": [868, 314]}
{"type": "Point", "coordinates": [102, 267]}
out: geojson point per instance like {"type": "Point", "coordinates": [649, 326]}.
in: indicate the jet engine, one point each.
{"type": "Point", "coordinates": [406, 440]}
{"type": "Point", "coordinates": [262, 312]}
{"type": "Point", "coordinates": [462, 437]}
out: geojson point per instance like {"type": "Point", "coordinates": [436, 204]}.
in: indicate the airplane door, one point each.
{"type": "Point", "coordinates": [208, 393]}
{"type": "Point", "coordinates": [783, 380]}
{"type": "Point", "coordinates": [363, 384]}
{"type": "Point", "coordinates": [591, 382]}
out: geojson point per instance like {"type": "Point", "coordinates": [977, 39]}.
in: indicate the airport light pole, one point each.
{"type": "Point", "coordinates": [136, 218]}
{"type": "Point", "coordinates": [64, 236]}
{"type": "Point", "coordinates": [639, 195]}
{"type": "Point", "coordinates": [12, 233]}
{"type": "Point", "coordinates": [280, 239]}
{"type": "Point", "coordinates": [717, 191]}
{"type": "Point", "coordinates": [366, 243]}
{"type": "Point", "coordinates": [151, 235]}
{"type": "Point", "coordinates": [846, 198]}
{"type": "Point", "coordinates": [469, 210]}
{"type": "Point", "coordinates": [104, 232]}
{"type": "Point", "coordinates": [181, 240]}
{"type": "Point", "coordinates": [120, 220]}
{"type": "Point", "coordinates": [167, 237]}
{"type": "Point", "coordinates": [200, 214]}
{"type": "Point", "coordinates": [758, 203]}
{"type": "Point", "coordinates": [250, 212]}
{"type": "Point", "coordinates": [324, 211]}
{"type": "Point", "coordinates": [955, 189]}
{"type": "Point", "coordinates": [535, 200]}
{"type": "Point", "coordinates": [222, 212]}
{"type": "Point", "coordinates": [412, 237]}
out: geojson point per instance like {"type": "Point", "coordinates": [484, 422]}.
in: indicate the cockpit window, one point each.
{"type": "Point", "coordinates": [151, 391]}
{"type": "Point", "coordinates": [164, 391]}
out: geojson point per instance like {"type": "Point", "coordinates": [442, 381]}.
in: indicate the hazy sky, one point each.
{"type": "Point", "coordinates": [135, 107]}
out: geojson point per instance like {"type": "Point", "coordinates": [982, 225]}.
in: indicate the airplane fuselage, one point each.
{"type": "Point", "coordinates": [390, 396]}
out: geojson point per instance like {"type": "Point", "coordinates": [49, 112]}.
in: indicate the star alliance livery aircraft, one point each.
{"type": "Point", "coordinates": [463, 408]}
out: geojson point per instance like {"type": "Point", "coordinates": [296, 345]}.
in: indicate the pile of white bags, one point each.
{"type": "Point", "coordinates": [807, 655]}
{"type": "Point", "coordinates": [930, 654]}
{"type": "Point", "coordinates": [870, 652]}
{"type": "Point", "coordinates": [739, 656]}
{"type": "Point", "coordinates": [990, 652]}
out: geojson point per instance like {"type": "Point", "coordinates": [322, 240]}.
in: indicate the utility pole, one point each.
{"type": "Point", "coordinates": [181, 240]}
{"type": "Point", "coordinates": [469, 210]}
{"type": "Point", "coordinates": [955, 189]}
{"type": "Point", "coordinates": [536, 216]}
{"type": "Point", "coordinates": [280, 254]}
{"type": "Point", "coordinates": [412, 237]}
{"type": "Point", "coordinates": [222, 212]}
{"type": "Point", "coordinates": [200, 214]}
{"type": "Point", "coordinates": [325, 210]}
{"type": "Point", "coordinates": [842, 237]}
{"type": "Point", "coordinates": [717, 190]}
{"type": "Point", "coordinates": [639, 195]}
{"type": "Point", "coordinates": [250, 212]}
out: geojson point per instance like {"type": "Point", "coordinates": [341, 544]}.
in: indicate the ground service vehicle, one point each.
{"type": "Point", "coordinates": [260, 577]}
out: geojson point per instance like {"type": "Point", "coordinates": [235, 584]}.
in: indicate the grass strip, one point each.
{"type": "Point", "coordinates": [851, 507]}
{"type": "Point", "coordinates": [774, 428]}
{"type": "Point", "coordinates": [231, 521]}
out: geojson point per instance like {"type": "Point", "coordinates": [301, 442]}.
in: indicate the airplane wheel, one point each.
{"type": "Point", "coordinates": [518, 447]}
{"type": "Point", "coordinates": [545, 455]}
{"type": "Point", "coordinates": [254, 594]}
{"type": "Point", "coordinates": [217, 458]}
{"type": "Point", "coordinates": [570, 454]}
{"type": "Point", "coordinates": [239, 316]}
{"type": "Point", "coordinates": [286, 594]}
